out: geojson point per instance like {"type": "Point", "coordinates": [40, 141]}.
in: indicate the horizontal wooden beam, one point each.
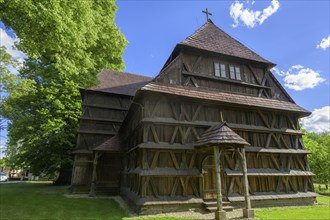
{"type": "Point", "coordinates": [236, 127]}
{"type": "Point", "coordinates": [166, 172]}
{"type": "Point", "coordinates": [105, 107]}
{"type": "Point", "coordinates": [163, 146]}
{"type": "Point", "coordinates": [102, 119]}
{"type": "Point", "coordinates": [276, 150]}
{"type": "Point", "coordinates": [97, 132]}
{"type": "Point", "coordinates": [224, 80]}
{"type": "Point", "coordinates": [269, 172]}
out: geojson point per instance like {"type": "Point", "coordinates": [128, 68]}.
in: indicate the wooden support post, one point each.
{"type": "Point", "coordinates": [218, 177]}
{"type": "Point", "coordinates": [247, 212]}
{"type": "Point", "coordinates": [94, 175]}
{"type": "Point", "coordinates": [220, 214]}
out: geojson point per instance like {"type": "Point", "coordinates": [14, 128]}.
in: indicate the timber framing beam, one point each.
{"type": "Point", "coordinates": [197, 75]}
{"type": "Point", "coordinates": [105, 106]}
{"type": "Point", "coordinates": [239, 127]}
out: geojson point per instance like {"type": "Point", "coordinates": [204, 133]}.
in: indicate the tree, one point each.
{"type": "Point", "coordinates": [67, 44]}
{"type": "Point", "coordinates": [319, 160]}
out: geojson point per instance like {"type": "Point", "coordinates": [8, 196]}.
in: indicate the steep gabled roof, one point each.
{"type": "Point", "coordinates": [220, 134]}
{"type": "Point", "coordinates": [120, 82]}
{"type": "Point", "coordinates": [211, 38]}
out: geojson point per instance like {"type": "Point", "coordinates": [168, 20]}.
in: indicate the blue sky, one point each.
{"type": "Point", "coordinates": [288, 33]}
{"type": "Point", "coordinates": [285, 32]}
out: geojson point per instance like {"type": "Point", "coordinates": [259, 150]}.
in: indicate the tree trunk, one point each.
{"type": "Point", "coordinates": [64, 178]}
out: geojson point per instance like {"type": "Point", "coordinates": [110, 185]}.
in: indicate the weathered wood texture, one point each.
{"type": "Point", "coordinates": [161, 134]}
{"type": "Point", "coordinates": [197, 70]}
{"type": "Point", "coordinates": [102, 116]}
{"type": "Point", "coordinates": [162, 123]}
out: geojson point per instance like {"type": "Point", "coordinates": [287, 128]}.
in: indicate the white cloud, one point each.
{"type": "Point", "coordinates": [324, 44]}
{"type": "Point", "coordinates": [298, 78]}
{"type": "Point", "coordinates": [318, 121]}
{"type": "Point", "coordinates": [249, 17]}
{"type": "Point", "coordinates": [9, 43]}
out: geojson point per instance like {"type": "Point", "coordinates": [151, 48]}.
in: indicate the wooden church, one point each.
{"type": "Point", "coordinates": [213, 130]}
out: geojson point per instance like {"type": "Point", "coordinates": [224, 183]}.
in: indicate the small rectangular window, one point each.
{"type": "Point", "coordinates": [223, 71]}
{"type": "Point", "coordinates": [238, 73]}
{"type": "Point", "coordinates": [216, 69]}
{"type": "Point", "coordinates": [232, 72]}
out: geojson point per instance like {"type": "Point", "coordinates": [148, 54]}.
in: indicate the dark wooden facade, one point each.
{"type": "Point", "coordinates": [103, 111]}
{"type": "Point", "coordinates": [163, 167]}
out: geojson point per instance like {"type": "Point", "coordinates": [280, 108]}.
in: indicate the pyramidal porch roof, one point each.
{"type": "Point", "coordinates": [220, 134]}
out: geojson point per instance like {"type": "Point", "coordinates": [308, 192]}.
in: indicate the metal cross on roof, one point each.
{"type": "Point", "coordinates": [207, 14]}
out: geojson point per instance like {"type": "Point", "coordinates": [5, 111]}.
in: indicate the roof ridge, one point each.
{"type": "Point", "coordinates": [212, 38]}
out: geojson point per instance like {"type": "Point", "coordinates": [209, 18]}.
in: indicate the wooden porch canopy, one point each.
{"type": "Point", "coordinates": [219, 137]}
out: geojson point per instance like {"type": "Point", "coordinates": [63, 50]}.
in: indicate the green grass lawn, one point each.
{"type": "Point", "coordinates": [319, 211]}
{"type": "Point", "coordinates": [25, 201]}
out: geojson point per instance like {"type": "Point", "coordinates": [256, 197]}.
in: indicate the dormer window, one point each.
{"type": "Point", "coordinates": [220, 70]}
{"type": "Point", "coordinates": [235, 72]}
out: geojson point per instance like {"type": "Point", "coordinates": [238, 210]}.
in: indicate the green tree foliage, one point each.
{"type": "Point", "coordinates": [67, 44]}
{"type": "Point", "coordinates": [319, 160]}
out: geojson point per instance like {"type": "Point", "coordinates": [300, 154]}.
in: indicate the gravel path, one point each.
{"type": "Point", "coordinates": [191, 214]}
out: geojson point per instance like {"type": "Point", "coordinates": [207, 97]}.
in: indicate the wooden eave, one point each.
{"type": "Point", "coordinates": [251, 102]}
{"type": "Point", "coordinates": [96, 91]}
{"type": "Point", "coordinates": [82, 151]}
{"type": "Point", "coordinates": [254, 149]}
{"type": "Point", "coordinates": [268, 172]}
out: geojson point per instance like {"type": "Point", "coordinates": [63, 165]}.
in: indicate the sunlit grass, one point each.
{"type": "Point", "coordinates": [44, 201]}
{"type": "Point", "coordinates": [318, 211]}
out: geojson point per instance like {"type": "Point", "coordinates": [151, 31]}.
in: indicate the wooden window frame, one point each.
{"type": "Point", "coordinates": [235, 72]}
{"type": "Point", "coordinates": [220, 70]}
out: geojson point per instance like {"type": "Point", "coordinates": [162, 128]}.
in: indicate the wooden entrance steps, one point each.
{"type": "Point", "coordinates": [211, 205]}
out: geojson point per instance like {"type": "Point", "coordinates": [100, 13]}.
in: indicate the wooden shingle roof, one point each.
{"type": "Point", "coordinates": [230, 98]}
{"type": "Point", "coordinates": [220, 134]}
{"type": "Point", "coordinates": [114, 144]}
{"type": "Point", "coordinates": [211, 38]}
{"type": "Point", "coordinates": [120, 82]}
